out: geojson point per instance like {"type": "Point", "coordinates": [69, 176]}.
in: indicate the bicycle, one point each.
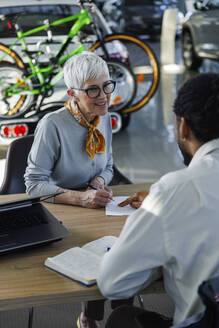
{"type": "Point", "coordinates": [25, 85]}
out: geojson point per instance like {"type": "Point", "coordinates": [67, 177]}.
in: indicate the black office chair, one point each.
{"type": "Point", "coordinates": [15, 165]}
{"type": "Point", "coordinates": [13, 182]}
{"type": "Point", "coordinates": [118, 178]}
{"type": "Point", "coordinates": [209, 318]}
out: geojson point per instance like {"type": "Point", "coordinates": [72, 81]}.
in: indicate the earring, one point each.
{"type": "Point", "coordinates": [184, 139]}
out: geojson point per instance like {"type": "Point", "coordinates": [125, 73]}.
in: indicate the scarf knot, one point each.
{"type": "Point", "coordinates": [95, 142]}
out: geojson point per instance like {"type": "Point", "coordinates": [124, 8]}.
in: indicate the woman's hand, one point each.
{"type": "Point", "coordinates": [90, 198]}
{"type": "Point", "coordinates": [95, 198]}
{"type": "Point", "coordinates": [99, 182]}
{"type": "Point", "coordinates": [135, 200]}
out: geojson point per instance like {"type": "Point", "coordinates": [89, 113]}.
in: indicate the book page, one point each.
{"type": "Point", "coordinates": [113, 209]}
{"type": "Point", "coordinates": [76, 263]}
{"type": "Point", "coordinates": [101, 245]}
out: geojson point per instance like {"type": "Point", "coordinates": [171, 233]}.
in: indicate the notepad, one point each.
{"type": "Point", "coordinates": [112, 208]}
{"type": "Point", "coordinates": [81, 263]}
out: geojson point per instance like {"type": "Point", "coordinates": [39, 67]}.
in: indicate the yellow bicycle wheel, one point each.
{"type": "Point", "coordinates": [10, 56]}
{"type": "Point", "coordinates": [141, 60]}
{"type": "Point", "coordinates": [18, 103]}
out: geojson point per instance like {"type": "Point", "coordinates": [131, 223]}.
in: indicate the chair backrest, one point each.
{"type": "Point", "coordinates": [209, 318]}
{"type": "Point", "coordinates": [15, 165]}
{"type": "Point", "coordinates": [118, 178]}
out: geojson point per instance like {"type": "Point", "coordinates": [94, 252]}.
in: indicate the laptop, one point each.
{"type": "Point", "coordinates": [27, 223]}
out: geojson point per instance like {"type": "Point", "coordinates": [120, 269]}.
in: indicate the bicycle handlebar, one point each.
{"type": "Point", "coordinates": [82, 2]}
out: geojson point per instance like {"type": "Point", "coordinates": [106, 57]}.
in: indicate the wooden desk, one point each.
{"type": "Point", "coordinates": [25, 282]}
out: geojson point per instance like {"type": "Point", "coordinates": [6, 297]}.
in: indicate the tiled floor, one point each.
{"type": "Point", "coordinates": [65, 315]}
{"type": "Point", "coordinates": [147, 149]}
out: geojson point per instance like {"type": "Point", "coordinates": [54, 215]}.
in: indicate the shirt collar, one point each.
{"type": "Point", "coordinates": [205, 149]}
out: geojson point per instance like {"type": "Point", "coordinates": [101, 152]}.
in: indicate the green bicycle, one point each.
{"type": "Point", "coordinates": [26, 82]}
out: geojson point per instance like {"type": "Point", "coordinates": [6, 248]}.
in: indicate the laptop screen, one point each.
{"type": "Point", "coordinates": [27, 200]}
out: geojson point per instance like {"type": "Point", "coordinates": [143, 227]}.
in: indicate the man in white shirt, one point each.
{"type": "Point", "coordinates": [176, 227]}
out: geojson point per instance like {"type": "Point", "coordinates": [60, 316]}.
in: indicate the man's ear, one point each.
{"type": "Point", "coordinates": [184, 129]}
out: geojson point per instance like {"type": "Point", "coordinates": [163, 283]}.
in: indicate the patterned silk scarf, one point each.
{"type": "Point", "coordinates": [95, 142]}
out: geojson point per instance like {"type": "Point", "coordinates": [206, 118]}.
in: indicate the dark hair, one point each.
{"type": "Point", "coordinates": [198, 102]}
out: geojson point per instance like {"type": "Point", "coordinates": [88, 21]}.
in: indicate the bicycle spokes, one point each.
{"type": "Point", "coordinates": [125, 85]}
{"type": "Point", "coordinates": [11, 102]}
{"type": "Point", "coordinates": [140, 58]}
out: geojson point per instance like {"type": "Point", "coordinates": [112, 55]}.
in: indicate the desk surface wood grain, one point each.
{"type": "Point", "coordinates": [25, 282]}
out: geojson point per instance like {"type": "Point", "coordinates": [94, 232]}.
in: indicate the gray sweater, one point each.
{"type": "Point", "coordinates": [58, 156]}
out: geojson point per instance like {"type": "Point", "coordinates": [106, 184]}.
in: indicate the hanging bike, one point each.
{"type": "Point", "coordinates": [26, 82]}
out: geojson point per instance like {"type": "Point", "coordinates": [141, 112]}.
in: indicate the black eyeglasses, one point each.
{"type": "Point", "coordinates": [94, 91]}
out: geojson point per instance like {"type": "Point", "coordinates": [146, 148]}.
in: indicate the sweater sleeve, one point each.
{"type": "Point", "coordinates": [42, 158]}
{"type": "Point", "coordinates": [107, 172]}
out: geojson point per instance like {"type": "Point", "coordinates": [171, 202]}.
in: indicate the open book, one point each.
{"type": "Point", "coordinates": [81, 263]}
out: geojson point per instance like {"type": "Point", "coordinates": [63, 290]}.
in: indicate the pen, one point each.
{"type": "Point", "coordinates": [92, 187]}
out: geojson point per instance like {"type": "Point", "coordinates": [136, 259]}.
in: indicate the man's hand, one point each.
{"type": "Point", "coordinates": [135, 200]}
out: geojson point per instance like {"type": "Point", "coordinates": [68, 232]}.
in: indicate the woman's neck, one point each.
{"type": "Point", "coordinates": [88, 118]}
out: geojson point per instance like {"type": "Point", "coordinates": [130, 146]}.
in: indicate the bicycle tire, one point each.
{"type": "Point", "coordinates": [10, 56]}
{"type": "Point", "coordinates": [17, 104]}
{"type": "Point", "coordinates": [125, 90]}
{"type": "Point", "coordinates": [142, 61]}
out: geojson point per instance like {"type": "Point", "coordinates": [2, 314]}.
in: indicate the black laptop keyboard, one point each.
{"type": "Point", "coordinates": [14, 221]}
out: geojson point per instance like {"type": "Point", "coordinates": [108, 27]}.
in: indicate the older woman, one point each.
{"type": "Point", "coordinates": [72, 148]}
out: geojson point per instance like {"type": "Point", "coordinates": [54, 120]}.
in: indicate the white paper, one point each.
{"type": "Point", "coordinates": [83, 263]}
{"type": "Point", "coordinates": [100, 246]}
{"type": "Point", "coordinates": [76, 263]}
{"type": "Point", "coordinates": [113, 209]}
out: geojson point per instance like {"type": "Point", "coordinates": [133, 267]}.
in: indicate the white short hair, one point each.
{"type": "Point", "coordinates": [82, 67]}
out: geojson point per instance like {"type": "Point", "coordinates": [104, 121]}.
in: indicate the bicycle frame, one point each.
{"type": "Point", "coordinates": [82, 19]}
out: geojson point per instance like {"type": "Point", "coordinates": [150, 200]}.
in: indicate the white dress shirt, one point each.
{"type": "Point", "coordinates": [176, 228]}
